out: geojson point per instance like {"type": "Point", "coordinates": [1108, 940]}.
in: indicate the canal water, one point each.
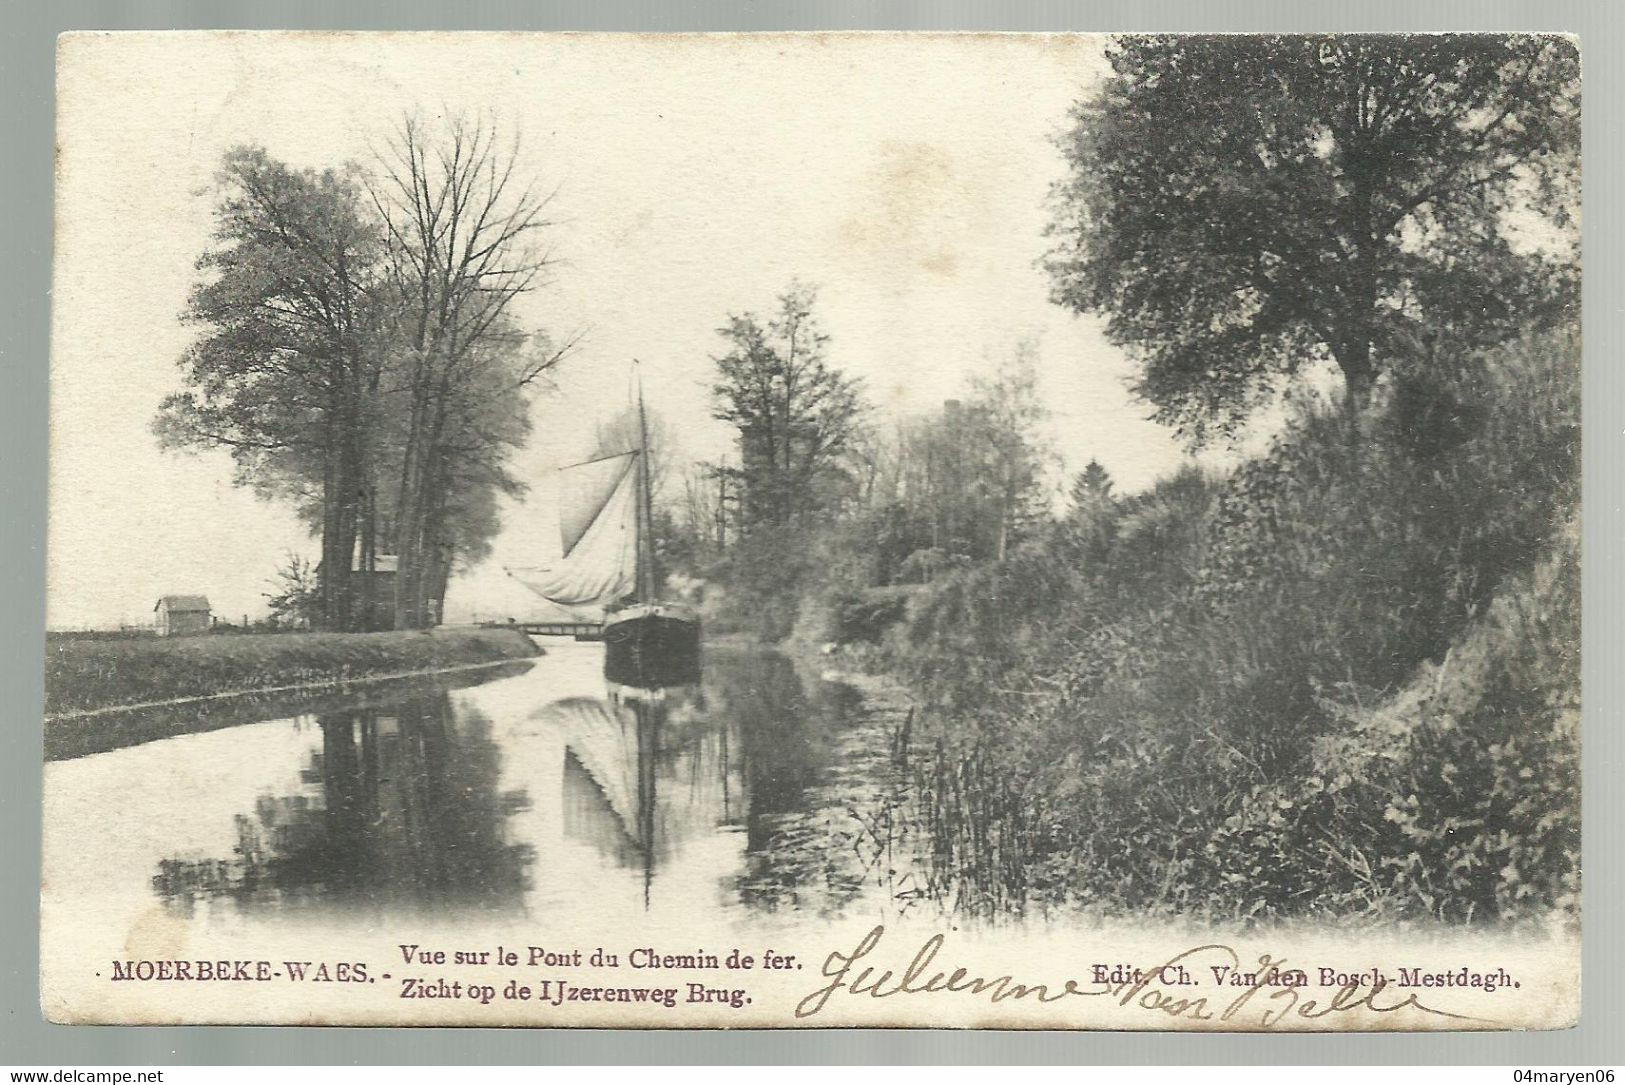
{"type": "Point", "coordinates": [539, 794]}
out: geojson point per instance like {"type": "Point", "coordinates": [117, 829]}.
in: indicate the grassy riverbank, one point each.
{"type": "Point", "coordinates": [1342, 679]}
{"type": "Point", "coordinates": [86, 675]}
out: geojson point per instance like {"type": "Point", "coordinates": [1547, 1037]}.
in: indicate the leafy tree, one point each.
{"type": "Point", "coordinates": [486, 418]}
{"type": "Point", "coordinates": [796, 415]}
{"type": "Point", "coordinates": [703, 516]}
{"type": "Point", "coordinates": [939, 484]}
{"type": "Point", "coordinates": [1241, 207]}
{"type": "Point", "coordinates": [281, 373]}
{"type": "Point", "coordinates": [968, 481]}
{"type": "Point", "coordinates": [1090, 527]}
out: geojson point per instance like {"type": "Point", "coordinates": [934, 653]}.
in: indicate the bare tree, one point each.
{"type": "Point", "coordinates": [463, 239]}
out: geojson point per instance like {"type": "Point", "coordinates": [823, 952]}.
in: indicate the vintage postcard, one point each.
{"type": "Point", "coordinates": [813, 530]}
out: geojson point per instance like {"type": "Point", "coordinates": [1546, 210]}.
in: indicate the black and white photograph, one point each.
{"type": "Point", "coordinates": [1048, 531]}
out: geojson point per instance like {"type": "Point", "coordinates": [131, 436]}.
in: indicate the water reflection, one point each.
{"type": "Point", "coordinates": [753, 750]}
{"type": "Point", "coordinates": [401, 805]}
{"type": "Point", "coordinates": [644, 771]}
{"type": "Point", "coordinates": [552, 791]}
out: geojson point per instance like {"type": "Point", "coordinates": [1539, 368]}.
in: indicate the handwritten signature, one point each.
{"type": "Point", "coordinates": [1164, 988]}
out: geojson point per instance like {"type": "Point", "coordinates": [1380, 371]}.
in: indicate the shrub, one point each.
{"type": "Point", "coordinates": [763, 577]}
{"type": "Point", "coordinates": [1457, 797]}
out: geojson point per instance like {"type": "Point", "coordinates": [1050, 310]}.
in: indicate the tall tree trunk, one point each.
{"type": "Point", "coordinates": [329, 572]}
{"type": "Point", "coordinates": [438, 580]}
{"type": "Point", "coordinates": [406, 517]}
{"type": "Point", "coordinates": [348, 522]}
{"type": "Point", "coordinates": [1359, 372]}
{"type": "Point", "coordinates": [338, 517]}
{"type": "Point", "coordinates": [431, 541]}
{"type": "Point", "coordinates": [419, 516]}
{"type": "Point", "coordinates": [369, 560]}
{"type": "Point", "coordinates": [367, 532]}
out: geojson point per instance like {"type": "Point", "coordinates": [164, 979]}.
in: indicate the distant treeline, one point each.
{"type": "Point", "coordinates": [822, 493]}
{"type": "Point", "coordinates": [126, 632]}
{"type": "Point", "coordinates": [137, 632]}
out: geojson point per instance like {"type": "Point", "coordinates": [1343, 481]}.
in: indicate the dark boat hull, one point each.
{"type": "Point", "coordinates": [652, 646]}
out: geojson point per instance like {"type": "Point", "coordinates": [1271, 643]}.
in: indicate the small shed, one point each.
{"type": "Point", "coordinates": [179, 615]}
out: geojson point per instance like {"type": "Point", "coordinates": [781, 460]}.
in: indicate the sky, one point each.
{"type": "Point", "coordinates": [694, 177]}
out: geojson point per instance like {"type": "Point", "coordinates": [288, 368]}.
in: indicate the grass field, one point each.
{"type": "Point", "coordinates": [83, 675]}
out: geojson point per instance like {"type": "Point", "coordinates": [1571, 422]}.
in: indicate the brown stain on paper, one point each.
{"type": "Point", "coordinates": [912, 203]}
{"type": "Point", "coordinates": [156, 935]}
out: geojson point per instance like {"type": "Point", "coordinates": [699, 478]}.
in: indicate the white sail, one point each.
{"type": "Point", "coordinates": [584, 491]}
{"type": "Point", "coordinates": [598, 523]}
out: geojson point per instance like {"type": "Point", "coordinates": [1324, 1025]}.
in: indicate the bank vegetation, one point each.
{"type": "Point", "coordinates": [89, 675]}
{"type": "Point", "coordinates": [1338, 680]}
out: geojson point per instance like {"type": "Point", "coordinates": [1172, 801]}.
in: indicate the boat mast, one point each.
{"type": "Point", "coordinates": [646, 542]}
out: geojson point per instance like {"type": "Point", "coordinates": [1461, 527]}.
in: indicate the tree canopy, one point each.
{"type": "Point", "coordinates": [796, 415]}
{"type": "Point", "coordinates": [1241, 207]}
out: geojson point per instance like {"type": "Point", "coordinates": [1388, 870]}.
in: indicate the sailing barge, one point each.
{"type": "Point", "coordinates": [605, 518]}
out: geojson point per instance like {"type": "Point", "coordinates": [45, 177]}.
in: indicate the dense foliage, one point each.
{"type": "Point", "coordinates": [1342, 679]}
{"type": "Point", "coordinates": [1241, 209]}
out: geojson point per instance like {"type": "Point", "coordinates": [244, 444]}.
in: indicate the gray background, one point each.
{"type": "Point", "coordinates": [26, 80]}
